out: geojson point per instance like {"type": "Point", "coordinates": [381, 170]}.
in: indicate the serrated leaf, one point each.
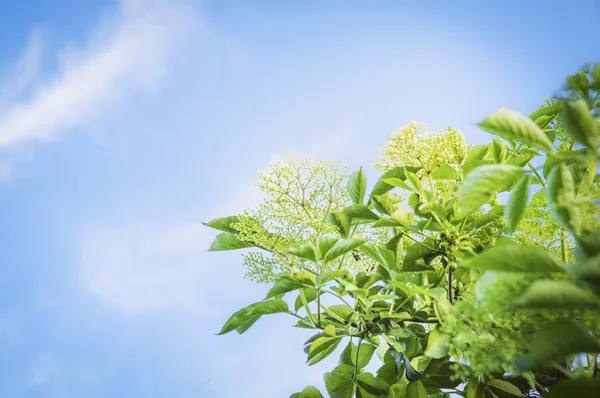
{"type": "Point", "coordinates": [341, 221]}
{"type": "Point", "coordinates": [228, 241]}
{"type": "Point", "coordinates": [580, 124]}
{"type": "Point", "coordinates": [561, 195]}
{"type": "Point", "coordinates": [475, 389]}
{"type": "Point", "coordinates": [224, 224]}
{"type": "Point", "coordinates": [398, 182]}
{"type": "Point", "coordinates": [339, 381]}
{"type": "Point", "coordinates": [445, 172]}
{"type": "Point", "coordinates": [308, 392]}
{"type": "Point", "coordinates": [341, 247]}
{"type": "Point", "coordinates": [483, 183]}
{"type": "Point", "coordinates": [365, 353]}
{"type": "Point", "coordinates": [516, 258]}
{"type": "Point", "coordinates": [307, 251]}
{"type": "Point", "coordinates": [580, 84]}
{"type": "Point", "coordinates": [418, 251]}
{"type": "Point", "coordinates": [554, 294]}
{"type": "Point", "coordinates": [372, 384]}
{"type": "Point", "coordinates": [416, 389]}
{"type": "Point", "coordinates": [360, 212]}
{"type": "Point", "coordinates": [382, 187]}
{"type": "Point", "coordinates": [511, 125]}
{"type": "Point", "coordinates": [325, 243]}
{"type": "Point", "coordinates": [357, 186]}
{"type": "Point", "coordinates": [437, 344]}
{"type": "Point", "coordinates": [546, 110]}
{"type": "Point", "coordinates": [505, 386]}
{"type": "Point", "coordinates": [517, 201]}
{"type": "Point", "coordinates": [321, 348]}
{"type": "Point", "coordinates": [253, 310]}
{"type": "Point", "coordinates": [555, 341]}
{"type": "Point", "coordinates": [293, 281]}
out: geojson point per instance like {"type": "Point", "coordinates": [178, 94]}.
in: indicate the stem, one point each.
{"type": "Point", "coordinates": [564, 370]}
{"type": "Point", "coordinates": [416, 241]}
{"type": "Point", "coordinates": [307, 308]}
{"type": "Point", "coordinates": [356, 360]}
{"type": "Point", "coordinates": [433, 196]}
{"type": "Point", "coordinates": [450, 298]}
{"type": "Point", "coordinates": [319, 307]}
{"type": "Point", "coordinates": [537, 174]}
{"type": "Point", "coordinates": [563, 245]}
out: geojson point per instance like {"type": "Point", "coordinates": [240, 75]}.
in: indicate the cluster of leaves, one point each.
{"type": "Point", "coordinates": [476, 286]}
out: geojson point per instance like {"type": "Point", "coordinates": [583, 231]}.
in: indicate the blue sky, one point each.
{"type": "Point", "coordinates": [124, 124]}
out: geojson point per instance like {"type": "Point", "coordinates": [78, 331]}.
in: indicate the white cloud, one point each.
{"type": "Point", "coordinates": [127, 50]}
{"type": "Point", "coordinates": [136, 268]}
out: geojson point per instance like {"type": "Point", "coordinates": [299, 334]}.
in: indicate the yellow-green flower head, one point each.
{"type": "Point", "coordinates": [415, 145]}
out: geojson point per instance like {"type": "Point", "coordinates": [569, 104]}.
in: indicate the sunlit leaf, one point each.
{"type": "Point", "coordinates": [509, 124]}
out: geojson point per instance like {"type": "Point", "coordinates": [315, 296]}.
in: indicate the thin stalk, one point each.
{"type": "Point", "coordinates": [356, 360]}
{"type": "Point", "coordinates": [563, 245]}
{"type": "Point", "coordinates": [537, 174]}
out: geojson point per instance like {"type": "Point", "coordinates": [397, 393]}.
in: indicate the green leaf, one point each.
{"type": "Point", "coordinates": [445, 172]}
{"type": "Point", "coordinates": [580, 124]}
{"type": "Point", "coordinates": [417, 251]}
{"type": "Point", "coordinates": [580, 84]}
{"type": "Point", "coordinates": [580, 388]}
{"type": "Point", "coordinates": [325, 243]}
{"type": "Point", "coordinates": [321, 348]}
{"type": "Point", "coordinates": [553, 294]}
{"type": "Point", "coordinates": [357, 186]}
{"type": "Point", "coordinates": [365, 353]}
{"type": "Point", "coordinates": [372, 384]}
{"type": "Point", "coordinates": [475, 389]}
{"type": "Point", "coordinates": [382, 187]}
{"type": "Point", "coordinates": [398, 182]}
{"type": "Point", "coordinates": [329, 330]}
{"type": "Point", "coordinates": [228, 241]}
{"type": "Point", "coordinates": [483, 183]}
{"type": "Point", "coordinates": [340, 220]}
{"type": "Point", "coordinates": [596, 78]}
{"type": "Point", "coordinates": [253, 310]}
{"type": "Point", "coordinates": [498, 150]}
{"type": "Point", "coordinates": [510, 125]}
{"type": "Point", "coordinates": [348, 355]}
{"type": "Point", "coordinates": [411, 373]}
{"type": "Point", "coordinates": [505, 386]}
{"type": "Point", "coordinates": [291, 282]}
{"type": "Point", "coordinates": [516, 258]}
{"type": "Point", "coordinates": [416, 389]}
{"type": "Point", "coordinates": [517, 201]}
{"type": "Point", "coordinates": [555, 341]}
{"type": "Point", "coordinates": [341, 247]}
{"type": "Point", "coordinates": [547, 110]}
{"type": "Point", "coordinates": [339, 381]}
{"type": "Point", "coordinates": [360, 212]}
{"type": "Point", "coordinates": [310, 295]}
{"type": "Point", "coordinates": [495, 213]}
{"type": "Point", "coordinates": [437, 344]}
{"type": "Point", "coordinates": [224, 224]}
{"type": "Point", "coordinates": [403, 217]}
{"type": "Point", "coordinates": [307, 251]}
{"type": "Point", "coordinates": [561, 195]}
{"type": "Point", "coordinates": [308, 392]}
{"type": "Point", "coordinates": [413, 180]}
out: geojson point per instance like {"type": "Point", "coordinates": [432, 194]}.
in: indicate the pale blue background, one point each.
{"type": "Point", "coordinates": [123, 125]}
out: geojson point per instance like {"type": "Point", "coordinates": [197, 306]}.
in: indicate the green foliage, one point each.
{"type": "Point", "coordinates": [448, 274]}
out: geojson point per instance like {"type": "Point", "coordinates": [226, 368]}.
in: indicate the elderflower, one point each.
{"type": "Point", "coordinates": [415, 145]}
{"type": "Point", "coordinates": [299, 193]}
